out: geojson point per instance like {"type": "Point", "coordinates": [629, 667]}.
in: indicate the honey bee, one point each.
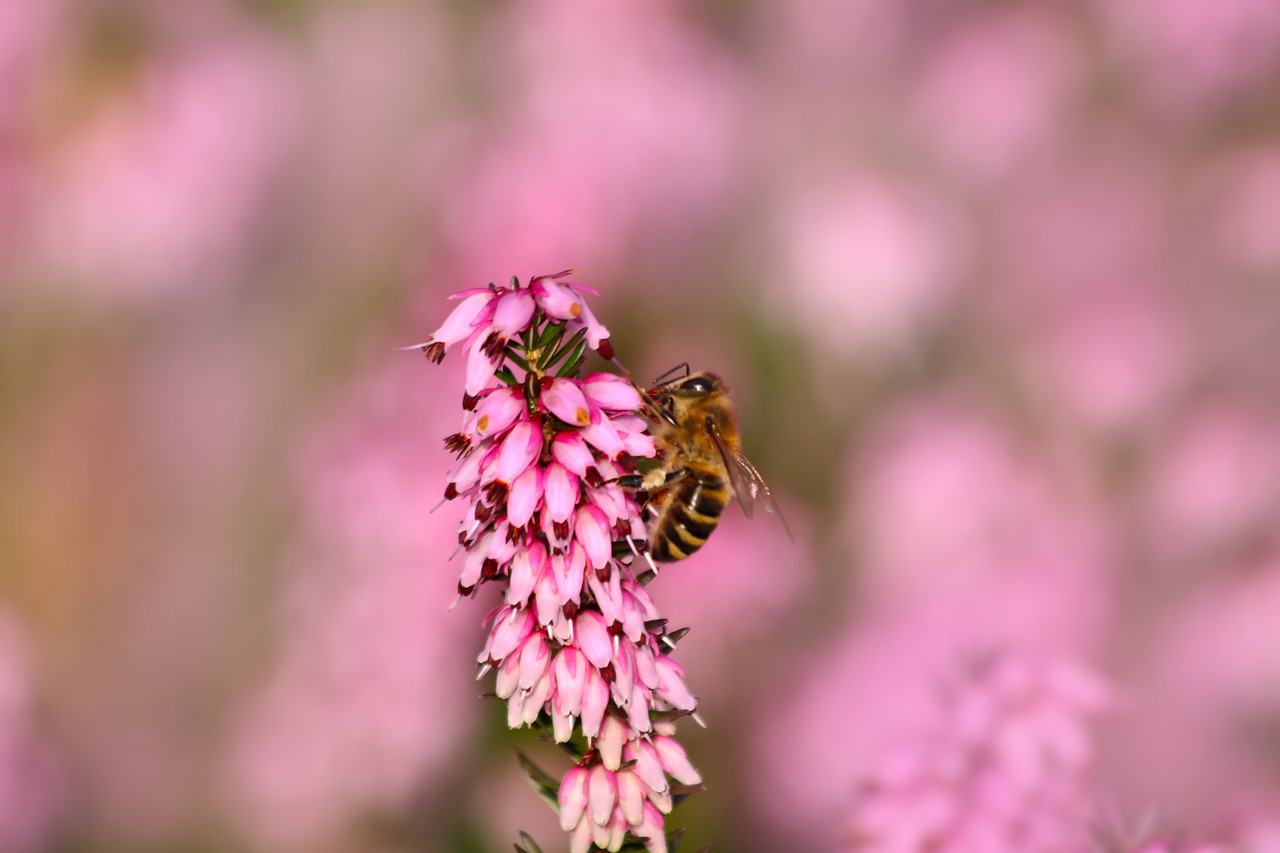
{"type": "Point", "coordinates": [700, 448]}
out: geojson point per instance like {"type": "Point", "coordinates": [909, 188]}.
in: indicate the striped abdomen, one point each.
{"type": "Point", "coordinates": [692, 510]}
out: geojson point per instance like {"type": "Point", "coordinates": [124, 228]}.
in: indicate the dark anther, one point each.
{"type": "Point", "coordinates": [560, 529]}
{"type": "Point", "coordinates": [489, 569]}
{"type": "Point", "coordinates": [608, 674]}
{"type": "Point", "coordinates": [469, 401]}
{"type": "Point", "coordinates": [465, 590]}
{"type": "Point", "coordinates": [570, 609]}
{"type": "Point", "coordinates": [593, 478]}
{"type": "Point", "coordinates": [434, 352]}
{"type": "Point", "coordinates": [496, 493]}
{"type": "Point", "coordinates": [450, 491]}
{"type": "Point", "coordinates": [515, 535]}
{"type": "Point", "coordinates": [457, 443]}
{"type": "Point", "coordinates": [605, 349]}
{"type": "Point", "coordinates": [494, 345]}
{"type": "Point", "coordinates": [483, 512]}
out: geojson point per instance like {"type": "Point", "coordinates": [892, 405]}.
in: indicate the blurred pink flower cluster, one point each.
{"type": "Point", "coordinates": [1005, 770]}
{"type": "Point", "coordinates": [32, 786]}
{"type": "Point", "coordinates": [577, 639]}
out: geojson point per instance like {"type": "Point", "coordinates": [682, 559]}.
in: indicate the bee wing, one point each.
{"type": "Point", "coordinates": [747, 483]}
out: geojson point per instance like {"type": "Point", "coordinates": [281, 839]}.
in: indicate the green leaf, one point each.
{"type": "Point", "coordinates": [519, 361]}
{"type": "Point", "coordinates": [575, 360]}
{"type": "Point", "coordinates": [527, 844]}
{"type": "Point", "coordinates": [504, 373]}
{"type": "Point", "coordinates": [547, 788]}
{"type": "Point", "coordinates": [552, 333]}
{"type": "Point", "coordinates": [568, 347]}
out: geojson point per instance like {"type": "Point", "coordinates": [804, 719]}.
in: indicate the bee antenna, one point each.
{"type": "Point", "coordinates": [670, 376]}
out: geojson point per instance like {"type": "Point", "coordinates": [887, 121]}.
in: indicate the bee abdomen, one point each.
{"type": "Point", "coordinates": [689, 517]}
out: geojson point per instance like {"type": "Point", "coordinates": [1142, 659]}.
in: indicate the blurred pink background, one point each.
{"type": "Point", "coordinates": [996, 285]}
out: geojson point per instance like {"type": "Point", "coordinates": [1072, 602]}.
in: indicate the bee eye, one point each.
{"type": "Point", "coordinates": [696, 385]}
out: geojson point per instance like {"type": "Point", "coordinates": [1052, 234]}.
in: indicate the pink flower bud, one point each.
{"type": "Point", "coordinates": [631, 796]}
{"type": "Point", "coordinates": [570, 678]}
{"type": "Point", "coordinates": [535, 660]}
{"type": "Point", "coordinates": [573, 797]}
{"type": "Point", "coordinates": [592, 636]}
{"type": "Point", "coordinates": [592, 530]}
{"type": "Point", "coordinates": [508, 678]}
{"type": "Point", "coordinates": [595, 698]}
{"type": "Point", "coordinates": [570, 450]}
{"type": "Point", "coordinates": [647, 765]}
{"type": "Point", "coordinates": [601, 434]}
{"type": "Point", "coordinates": [613, 734]}
{"type": "Point", "coordinates": [509, 631]}
{"type": "Point", "coordinates": [480, 370]}
{"type": "Point", "coordinates": [519, 450]}
{"type": "Point", "coordinates": [526, 567]}
{"type": "Point", "coordinates": [525, 495]}
{"type": "Point", "coordinates": [602, 794]}
{"type": "Point", "coordinates": [638, 710]}
{"type": "Point", "coordinates": [671, 687]}
{"type": "Point", "coordinates": [561, 491]}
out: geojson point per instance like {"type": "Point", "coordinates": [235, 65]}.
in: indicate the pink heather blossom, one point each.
{"type": "Point", "coordinates": [576, 645]}
{"type": "Point", "coordinates": [1004, 771]}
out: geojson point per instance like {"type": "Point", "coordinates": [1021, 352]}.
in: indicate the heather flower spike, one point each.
{"type": "Point", "coordinates": [577, 647]}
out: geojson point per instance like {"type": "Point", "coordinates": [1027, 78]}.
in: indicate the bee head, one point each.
{"type": "Point", "coordinates": [691, 388]}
